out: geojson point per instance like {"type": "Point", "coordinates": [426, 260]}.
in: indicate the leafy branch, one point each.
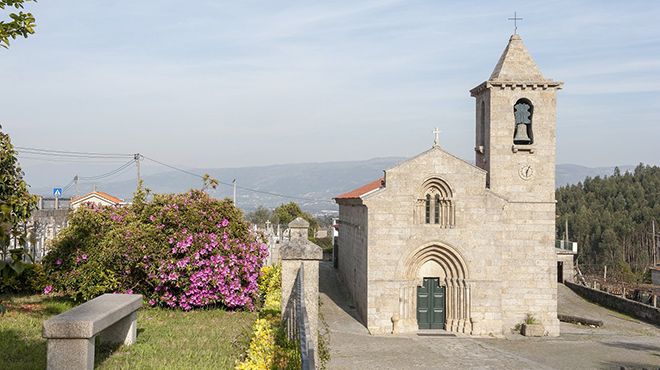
{"type": "Point", "coordinates": [20, 23]}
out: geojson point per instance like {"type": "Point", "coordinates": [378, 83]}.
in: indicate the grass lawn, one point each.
{"type": "Point", "coordinates": [206, 339]}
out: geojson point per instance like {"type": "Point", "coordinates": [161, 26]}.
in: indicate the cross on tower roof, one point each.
{"type": "Point", "coordinates": [436, 140]}
{"type": "Point", "coordinates": [515, 20]}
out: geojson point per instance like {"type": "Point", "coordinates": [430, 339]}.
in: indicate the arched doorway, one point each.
{"type": "Point", "coordinates": [440, 272]}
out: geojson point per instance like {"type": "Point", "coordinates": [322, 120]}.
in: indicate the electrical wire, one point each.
{"type": "Point", "coordinates": [111, 176]}
{"type": "Point", "coordinates": [95, 155]}
{"type": "Point", "coordinates": [115, 171]}
{"type": "Point", "coordinates": [68, 186]}
{"type": "Point", "coordinates": [174, 168]}
{"type": "Point", "coordinates": [238, 187]}
{"type": "Point", "coordinates": [71, 160]}
{"type": "Point", "coordinates": [67, 155]}
{"type": "Point", "coordinates": [70, 153]}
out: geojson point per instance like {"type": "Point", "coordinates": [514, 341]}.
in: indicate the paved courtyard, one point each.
{"type": "Point", "coordinates": [621, 341]}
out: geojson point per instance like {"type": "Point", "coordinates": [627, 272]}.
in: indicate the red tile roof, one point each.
{"type": "Point", "coordinates": [101, 194]}
{"type": "Point", "coordinates": [357, 193]}
{"type": "Point", "coordinates": [109, 197]}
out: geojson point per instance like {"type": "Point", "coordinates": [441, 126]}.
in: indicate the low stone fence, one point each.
{"type": "Point", "coordinates": [296, 318]}
{"type": "Point", "coordinates": [300, 291]}
{"type": "Point", "coordinates": [633, 308]}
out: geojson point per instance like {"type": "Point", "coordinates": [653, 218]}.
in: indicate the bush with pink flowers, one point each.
{"type": "Point", "coordinates": [178, 250]}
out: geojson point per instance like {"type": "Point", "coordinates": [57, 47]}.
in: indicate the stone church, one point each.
{"type": "Point", "coordinates": [439, 243]}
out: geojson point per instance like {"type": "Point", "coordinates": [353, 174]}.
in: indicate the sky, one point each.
{"type": "Point", "coordinates": [244, 83]}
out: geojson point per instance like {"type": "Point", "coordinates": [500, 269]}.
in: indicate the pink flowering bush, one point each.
{"type": "Point", "coordinates": [178, 250]}
{"type": "Point", "coordinates": [216, 268]}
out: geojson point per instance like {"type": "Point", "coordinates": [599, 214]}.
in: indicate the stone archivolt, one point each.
{"type": "Point", "coordinates": [436, 205]}
{"type": "Point", "coordinates": [455, 280]}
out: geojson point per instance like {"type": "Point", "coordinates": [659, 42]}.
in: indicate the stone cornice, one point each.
{"type": "Point", "coordinates": [513, 85]}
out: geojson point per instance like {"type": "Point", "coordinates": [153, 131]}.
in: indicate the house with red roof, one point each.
{"type": "Point", "coordinates": [98, 198]}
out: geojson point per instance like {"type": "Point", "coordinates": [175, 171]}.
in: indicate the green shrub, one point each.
{"type": "Point", "coordinates": [530, 319]}
{"type": "Point", "coordinates": [270, 284]}
{"type": "Point", "coordinates": [179, 250]}
{"type": "Point", "coordinates": [324, 243]}
{"type": "Point", "coordinates": [261, 354]}
{"type": "Point", "coordinates": [32, 280]}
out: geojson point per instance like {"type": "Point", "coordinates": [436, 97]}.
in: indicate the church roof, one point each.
{"type": "Point", "coordinates": [437, 148]}
{"type": "Point", "coordinates": [362, 190]}
{"type": "Point", "coordinates": [516, 64]}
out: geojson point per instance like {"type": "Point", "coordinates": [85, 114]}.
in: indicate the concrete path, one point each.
{"type": "Point", "coordinates": [621, 342]}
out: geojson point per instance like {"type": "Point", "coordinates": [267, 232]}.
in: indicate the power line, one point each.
{"type": "Point", "coordinates": [174, 168]}
{"type": "Point", "coordinates": [111, 176]}
{"type": "Point", "coordinates": [114, 172]}
{"type": "Point", "coordinates": [134, 159]}
{"type": "Point", "coordinates": [67, 186]}
{"type": "Point", "coordinates": [67, 152]}
{"type": "Point", "coordinates": [72, 160]}
{"type": "Point", "coordinates": [239, 187]}
{"type": "Point", "coordinates": [67, 155]}
{"type": "Point", "coordinates": [107, 174]}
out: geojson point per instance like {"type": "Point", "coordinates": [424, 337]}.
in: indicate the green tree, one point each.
{"type": "Point", "coordinates": [259, 216]}
{"type": "Point", "coordinates": [288, 212]}
{"type": "Point", "coordinates": [20, 23]}
{"type": "Point", "coordinates": [16, 202]}
{"type": "Point", "coordinates": [610, 218]}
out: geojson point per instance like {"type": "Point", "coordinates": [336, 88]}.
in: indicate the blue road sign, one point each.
{"type": "Point", "coordinates": [57, 192]}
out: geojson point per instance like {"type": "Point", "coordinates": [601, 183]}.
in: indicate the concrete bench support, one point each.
{"type": "Point", "coordinates": [72, 335]}
{"type": "Point", "coordinates": [70, 354]}
{"type": "Point", "coordinates": [123, 331]}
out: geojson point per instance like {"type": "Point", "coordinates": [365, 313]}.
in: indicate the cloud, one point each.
{"type": "Point", "coordinates": [221, 83]}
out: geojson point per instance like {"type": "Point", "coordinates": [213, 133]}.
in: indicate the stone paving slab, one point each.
{"type": "Point", "coordinates": [621, 342]}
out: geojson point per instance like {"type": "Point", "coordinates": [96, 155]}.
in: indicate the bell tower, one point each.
{"type": "Point", "coordinates": [516, 127]}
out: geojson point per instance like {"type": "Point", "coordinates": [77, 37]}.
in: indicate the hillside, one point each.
{"type": "Point", "coordinates": [319, 181]}
{"type": "Point", "coordinates": [610, 217]}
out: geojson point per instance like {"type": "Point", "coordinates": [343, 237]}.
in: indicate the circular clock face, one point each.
{"type": "Point", "coordinates": [526, 172]}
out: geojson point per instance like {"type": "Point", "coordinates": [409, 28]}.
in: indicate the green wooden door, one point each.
{"type": "Point", "coordinates": [431, 304]}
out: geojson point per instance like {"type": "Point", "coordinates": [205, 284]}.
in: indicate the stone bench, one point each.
{"type": "Point", "coordinates": [71, 335]}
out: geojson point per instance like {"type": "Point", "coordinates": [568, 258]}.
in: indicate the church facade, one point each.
{"type": "Point", "coordinates": [439, 243]}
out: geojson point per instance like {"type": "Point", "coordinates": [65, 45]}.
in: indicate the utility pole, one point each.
{"type": "Point", "coordinates": [136, 157]}
{"type": "Point", "coordinates": [566, 231]}
{"type": "Point", "coordinates": [234, 184]}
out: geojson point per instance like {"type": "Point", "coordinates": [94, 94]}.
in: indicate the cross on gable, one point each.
{"type": "Point", "coordinates": [515, 20]}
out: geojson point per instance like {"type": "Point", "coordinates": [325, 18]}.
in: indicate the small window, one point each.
{"type": "Point", "coordinates": [481, 135]}
{"type": "Point", "coordinates": [523, 112]}
{"type": "Point", "coordinates": [438, 205]}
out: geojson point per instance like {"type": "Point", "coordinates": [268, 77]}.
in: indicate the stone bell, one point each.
{"type": "Point", "coordinates": [521, 136]}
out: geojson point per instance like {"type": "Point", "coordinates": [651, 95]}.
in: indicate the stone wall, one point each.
{"type": "Point", "coordinates": [352, 254]}
{"type": "Point", "coordinates": [300, 260]}
{"type": "Point", "coordinates": [569, 265]}
{"type": "Point", "coordinates": [639, 310]}
{"type": "Point", "coordinates": [529, 265]}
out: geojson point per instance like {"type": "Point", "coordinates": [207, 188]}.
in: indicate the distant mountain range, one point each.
{"type": "Point", "coordinates": [310, 184]}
